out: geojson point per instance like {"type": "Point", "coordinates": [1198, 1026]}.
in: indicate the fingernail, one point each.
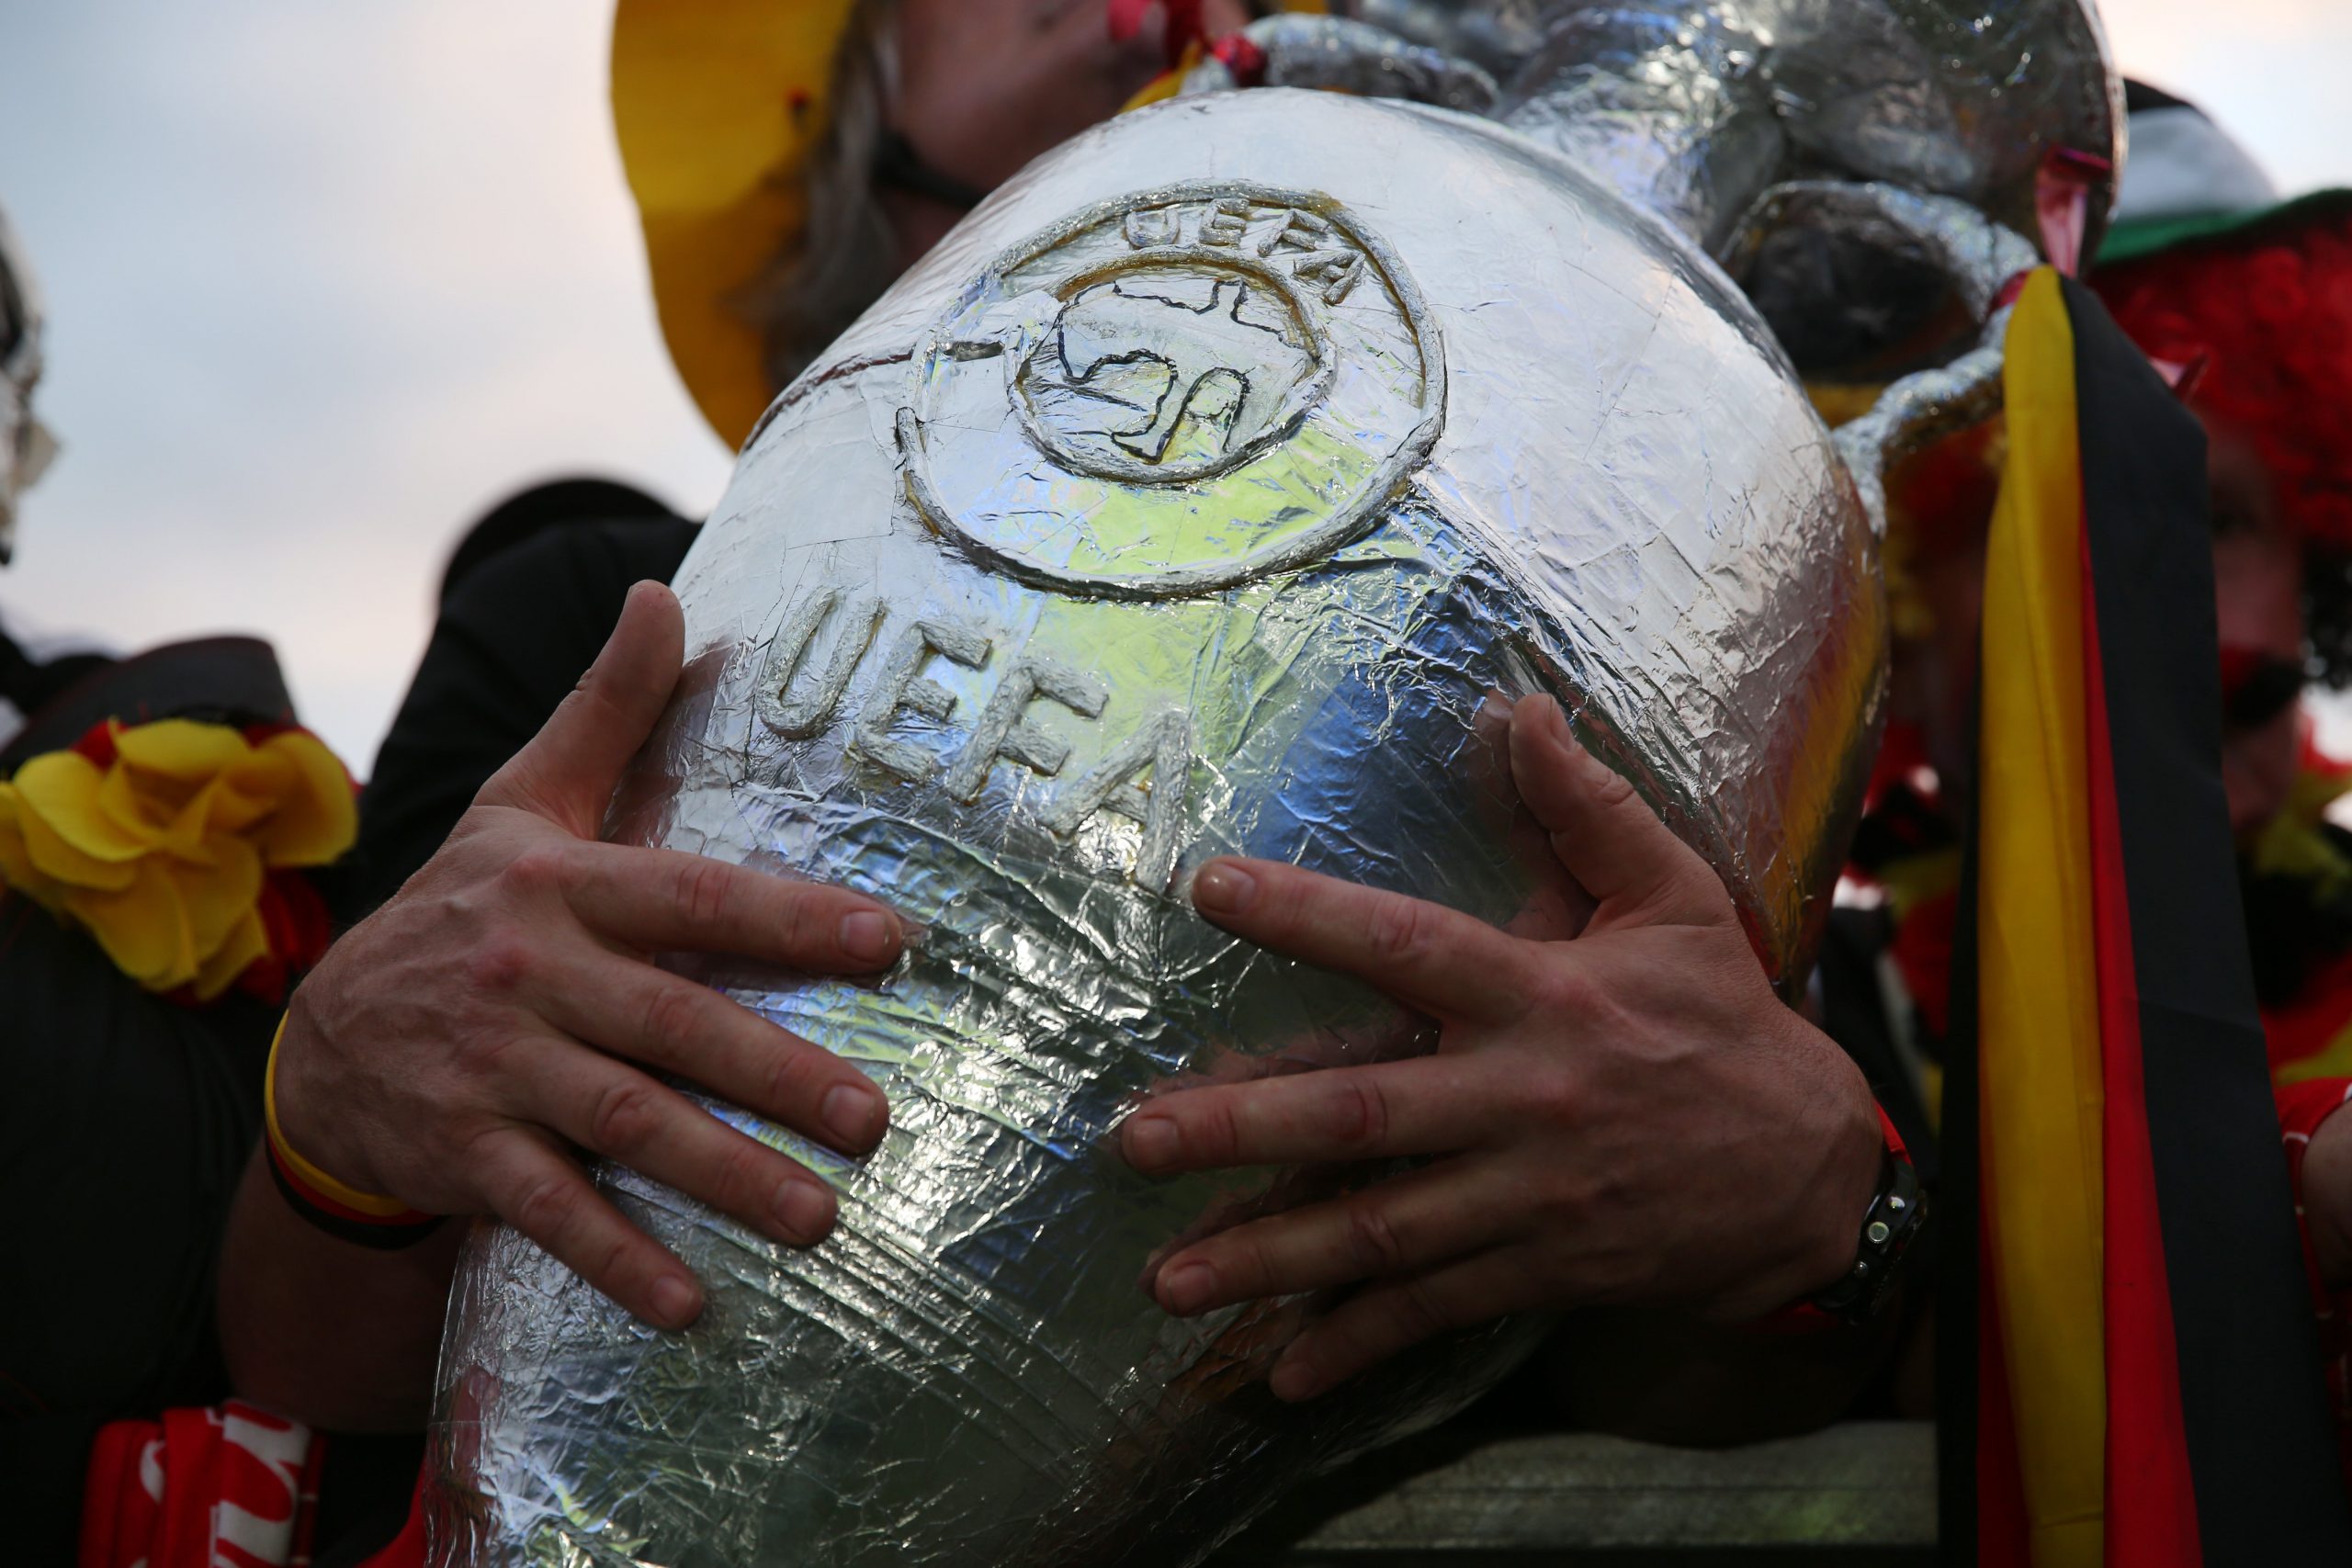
{"type": "Point", "coordinates": [1223, 888]}
{"type": "Point", "coordinates": [867, 938]}
{"type": "Point", "coordinates": [1151, 1143]}
{"type": "Point", "coordinates": [804, 1209]}
{"type": "Point", "coordinates": [674, 1300]}
{"type": "Point", "coordinates": [1296, 1377]}
{"type": "Point", "coordinates": [1185, 1289]}
{"type": "Point", "coordinates": [853, 1114]}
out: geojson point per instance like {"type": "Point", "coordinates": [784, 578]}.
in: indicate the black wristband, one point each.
{"type": "Point", "coordinates": [1889, 1226]}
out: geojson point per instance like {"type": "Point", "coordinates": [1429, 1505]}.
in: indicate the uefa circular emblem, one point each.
{"type": "Point", "coordinates": [1174, 394]}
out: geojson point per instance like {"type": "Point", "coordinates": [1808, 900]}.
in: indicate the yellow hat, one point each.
{"type": "Point", "coordinates": [717, 103]}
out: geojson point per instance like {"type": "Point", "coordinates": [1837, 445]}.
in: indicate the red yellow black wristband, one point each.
{"type": "Point", "coordinates": [345, 1213]}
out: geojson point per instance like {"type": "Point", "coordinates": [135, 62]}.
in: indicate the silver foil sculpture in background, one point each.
{"type": "Point", "coordinates": [1193, 497]}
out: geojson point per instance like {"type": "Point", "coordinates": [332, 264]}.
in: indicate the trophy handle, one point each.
{"type": "Point", "coordinates": [1976, 255]}
{"type": "Point", "coordinates": [1336, 53]}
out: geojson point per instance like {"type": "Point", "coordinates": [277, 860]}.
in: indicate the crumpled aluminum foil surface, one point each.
{"type": "Point", "coordinates": [1194, 497]}
{"type": "Point", "coordinates": [1689, 107]}
{"type": "Point", "coordinates": [1496, 431]}
{"type": "Point", "coordinates": [1698, 109]}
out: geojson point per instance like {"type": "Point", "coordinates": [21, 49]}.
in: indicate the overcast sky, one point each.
{"type": "Point", "coordinates": [328, 280]}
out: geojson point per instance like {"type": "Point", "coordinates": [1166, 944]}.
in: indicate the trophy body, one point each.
{"type": "Point", "coordinates": [1193, 498]}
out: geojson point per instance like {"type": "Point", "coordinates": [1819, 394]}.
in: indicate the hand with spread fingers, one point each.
{"type": "Point", "coordinates": [1629, 1117]}
{"type": "Point", "coordinates": [502, 1016]}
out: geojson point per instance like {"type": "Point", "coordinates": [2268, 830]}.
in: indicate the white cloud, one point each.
{"type": "Point", "coordinates": [326, 281]}
{"type": "Point", "coordinates": [2270, 71]}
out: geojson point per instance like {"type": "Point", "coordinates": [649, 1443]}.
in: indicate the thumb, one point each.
{"type": "Point", "coordinates": [567, 773]}
{"type": "Point", "coordinates": [1603, 831]}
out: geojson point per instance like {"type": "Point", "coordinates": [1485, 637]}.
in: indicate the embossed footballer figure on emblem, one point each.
{"type": "Point", "coordinates": [1178, 369]}
{"type": "Point", "coordinates": [1174, 394]}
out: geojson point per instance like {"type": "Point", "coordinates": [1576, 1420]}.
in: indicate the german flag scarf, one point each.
{"type": "Point", "coordinates": [2132, 1318]}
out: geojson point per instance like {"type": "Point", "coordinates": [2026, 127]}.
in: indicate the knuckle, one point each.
{"type": "Point", "coordinates": [1397, 929]}
{"type": "Point", "coordinates": [1372, 1241]}
{"type": "Point", "coordinates": [481, 1057]}
{"type": "Point", "coordinates": [1217, 1132]}
{"type": "Point", "coordinates": [1419, 1314]}
{"type": "Point", "coordinates": [1521, 989]}
{"type": "Point", "coordinates": [545, 1208]}
{"type": "Point", "coordinates": [1244, 1264]}
{"type": "Point", "coordinates": [624, 1118]}
{"type": "Point", "coordinates": [667, 1023]}
{"type": "Point", "coordinates": [800, 919]}
{"type": "Point", "coordinates": [1554, 1097]}
{"type": "Point", "coordinates": [795, 1077]}
{"type": "Point", "coordinates": [1357, 1110]}
{"type": "Point", "coordinates": [615, 1265]}
{"type": "Point", "coordinates": [1610, 789]}
{"type": "Point", "coordinates": [1623, 1278]}
{"type": "Point", "coordinates": [498, 964]}
{"type": "Point", "coordinates": [706, 893]}
{"type": "Point", "coordinates": [1575, 990]}
{"type": "Point", "coordinates": [1561, 1204]}
{"type": "Point", "coordinates": [742, 1175]}
{"type": "Point", "coordinates": [531, 873]}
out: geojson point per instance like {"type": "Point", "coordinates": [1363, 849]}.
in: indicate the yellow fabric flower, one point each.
{"type": "Point", "coordinates": [161, 851]}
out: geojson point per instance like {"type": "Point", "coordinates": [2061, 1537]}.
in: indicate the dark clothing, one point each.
{"type": "Point", "coordinates": [1855, 1013]}
{"type": "Point", "coordinates": [556, 504]}
{"type": "Point", "coordinates": [514, 640]}
{"type": "Point", "coordinates": [125, 1120]}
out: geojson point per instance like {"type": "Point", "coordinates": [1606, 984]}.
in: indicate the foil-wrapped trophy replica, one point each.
{"type": "Point", "coordinates": [1192, 498]}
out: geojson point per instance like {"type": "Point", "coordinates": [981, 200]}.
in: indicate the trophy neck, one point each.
{"type": "Point", "coordinates": [1694, 108]}
{"type": "Point", "coordinates": [1669, 106]}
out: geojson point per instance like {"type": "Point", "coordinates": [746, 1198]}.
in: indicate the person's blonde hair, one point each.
{"type": "Point", "coordinates": [846, 252]}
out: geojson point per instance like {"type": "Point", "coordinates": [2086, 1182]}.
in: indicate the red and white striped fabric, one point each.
{"type": "Point", "coordinates": [233, 1486]}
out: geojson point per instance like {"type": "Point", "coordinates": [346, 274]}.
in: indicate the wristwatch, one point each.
{"type": "Point", "coordinates": [1889, 1226]}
